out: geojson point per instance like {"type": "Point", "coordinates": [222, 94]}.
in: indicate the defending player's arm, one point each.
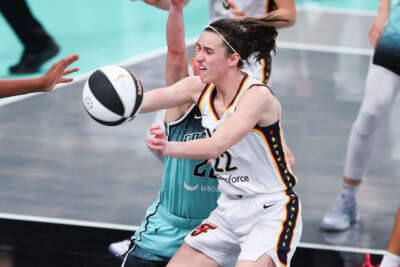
{"type": "Point", "coordinates": [256, 105]}
{"type": "Point", "coordinates": [379, 22]}
{"type": "Point", "coordinates": [55, 75]}
{"type": "Point", "coordinates": [286, 11]}
{"type": "Point", "coordinates": [176, 67]}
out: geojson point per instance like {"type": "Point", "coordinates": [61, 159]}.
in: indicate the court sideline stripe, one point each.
{"type": "Point", "coordinates": [125, 227]}
{"type": "Point", "coordinates": [163, 51]}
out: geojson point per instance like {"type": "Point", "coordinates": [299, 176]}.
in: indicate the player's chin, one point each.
{"type": "Point", "coordinates": [204, 78]}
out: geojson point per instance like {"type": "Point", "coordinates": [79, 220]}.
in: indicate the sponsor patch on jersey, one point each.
{"type": "Point", "coordinates": [234, 179]}
{"type": "Point", "coordinates": [190, 188]}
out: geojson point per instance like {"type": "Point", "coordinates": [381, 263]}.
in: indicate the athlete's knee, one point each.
{"type": "Point", "coordinates": [366, 123]}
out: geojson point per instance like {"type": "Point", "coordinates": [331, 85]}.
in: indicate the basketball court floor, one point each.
{"type": "Point", "coordinates": [70, 186]}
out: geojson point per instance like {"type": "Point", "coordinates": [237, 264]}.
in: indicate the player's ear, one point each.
{"type": "Point", "coordinates": [234, 59]}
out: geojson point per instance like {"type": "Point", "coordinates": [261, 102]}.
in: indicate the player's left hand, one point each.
{"type": "Point", "coordinates": [159, 141]}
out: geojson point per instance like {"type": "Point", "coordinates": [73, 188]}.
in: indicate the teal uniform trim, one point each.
{"type": "Point", "coordinates": [187, 195]}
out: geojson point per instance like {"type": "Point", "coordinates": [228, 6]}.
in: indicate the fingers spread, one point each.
{"type": "Point", "coordinates": [66, 72]}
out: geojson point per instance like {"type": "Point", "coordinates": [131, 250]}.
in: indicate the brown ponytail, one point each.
{"type": "Point", "coordinates": [251, 35]}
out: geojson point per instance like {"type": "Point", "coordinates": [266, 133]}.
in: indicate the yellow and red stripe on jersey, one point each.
{"type": "Point", "coordinates": [203, 95]}
{"type": "Point", "coordinates": [285, 238]}
{"type": "Point", "coordinates": [274, 147]}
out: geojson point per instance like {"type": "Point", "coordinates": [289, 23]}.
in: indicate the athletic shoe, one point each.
{"type": "Point", "coordinates": [342, 215]}
{"type": "Point", "coordinates": [31, 61]}
{"type": "Point", "coordinates": [119, 249]}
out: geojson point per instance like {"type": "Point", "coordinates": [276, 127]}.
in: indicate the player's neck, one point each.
{"type": "Point", "coordinates": [228, 86]}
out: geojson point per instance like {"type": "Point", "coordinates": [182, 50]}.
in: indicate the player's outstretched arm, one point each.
{"type": "Point", "coordinates": [176, 67]}
{"type": "Point", "coordinates": [185, 91]}
{"type": "Point", "coordinates": [55, 75]}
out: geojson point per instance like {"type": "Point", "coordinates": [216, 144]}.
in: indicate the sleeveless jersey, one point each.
{"type": "Point", "coordinates": [187, 195]}
{"type": "Point", "coordinates": [187, 191]}
{"type": "Point", "coordinates": [257, 163]}
{"type": "Point", "coordinates": [387, 52]}
{"type": "Point", "coordinates": [254, 8]}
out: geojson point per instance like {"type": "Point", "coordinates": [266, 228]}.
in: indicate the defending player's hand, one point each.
{"type": "Point", "coordinates": [57, 72]}
{"type": "Point", "coordinates": [158, 140]}
{"type": "Point", "coordinates": [239, 14]}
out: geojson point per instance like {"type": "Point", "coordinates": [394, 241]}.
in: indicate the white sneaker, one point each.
{"type": "Point", "coordinates": [342, 215]}
{"type": "Point", "coordinates": [118, 249]}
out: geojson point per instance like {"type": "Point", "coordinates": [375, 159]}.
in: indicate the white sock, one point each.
{"type": "Point", "coordinates": [349, 191]}
{"type": "Point", "coordinates": [390, 260]}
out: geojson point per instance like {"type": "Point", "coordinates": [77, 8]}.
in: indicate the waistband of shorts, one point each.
{"type": "Point", "coordinates": [265, 196]}
{"type": "Point", "coordinates": [177, 221]}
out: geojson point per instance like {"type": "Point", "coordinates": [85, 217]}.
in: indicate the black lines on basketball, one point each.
{"type": "Point", "coordinates": [105, 92]}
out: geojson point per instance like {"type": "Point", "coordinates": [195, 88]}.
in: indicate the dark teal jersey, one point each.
{"type": "Point", "coordinates": [187, 190]}
{"type": "Point", "coordinates": [187, 194]}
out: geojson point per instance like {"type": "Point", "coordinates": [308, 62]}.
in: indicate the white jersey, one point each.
{"type": "Point", "coordinates": [253, 8]}
{"type": "Point", "coordinates": [257, 163]}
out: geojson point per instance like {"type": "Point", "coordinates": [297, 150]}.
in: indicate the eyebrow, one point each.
{"type": "Point", "coordinates": [204, 46]}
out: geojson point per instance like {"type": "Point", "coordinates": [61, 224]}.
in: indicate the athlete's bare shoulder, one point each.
{"type": "Point", "coordinates": [260, 95]}
{"type": "Point", "coordinates": [195, 85]}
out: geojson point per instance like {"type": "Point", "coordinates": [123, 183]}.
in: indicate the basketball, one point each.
{"type": "Point", "coordinates": [112, 95]}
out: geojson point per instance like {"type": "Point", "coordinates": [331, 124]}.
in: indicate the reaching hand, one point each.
{"type": "Point", "coordinates": [239, 14]}
{"type": "Point", "coordinates": [376, 29]}
{"type": "Point", "coordinates": [57, 72]}
{"type": "Point", "coordinates": [159, 142]}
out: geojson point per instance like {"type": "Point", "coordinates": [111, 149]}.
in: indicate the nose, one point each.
{"type": "Point", "coordinates": [199, 56]}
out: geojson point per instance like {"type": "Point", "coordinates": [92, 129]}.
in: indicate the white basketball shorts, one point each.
{"type": "Point", "coordinates": [245, 228]}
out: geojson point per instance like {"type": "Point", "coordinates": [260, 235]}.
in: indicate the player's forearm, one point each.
{"type": "Point", "coordinates": [176, 30]}
{"type": "Point", "coordinates": [177, 59]}
{"type": "Point", "coordinates": [197, 149]}
{"type": "Point", "coordinates": [384, 8]}
{"type": "Point", "coordinates": [287, 15]}
{"type": "Point", "coordinates": [20, 86]}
